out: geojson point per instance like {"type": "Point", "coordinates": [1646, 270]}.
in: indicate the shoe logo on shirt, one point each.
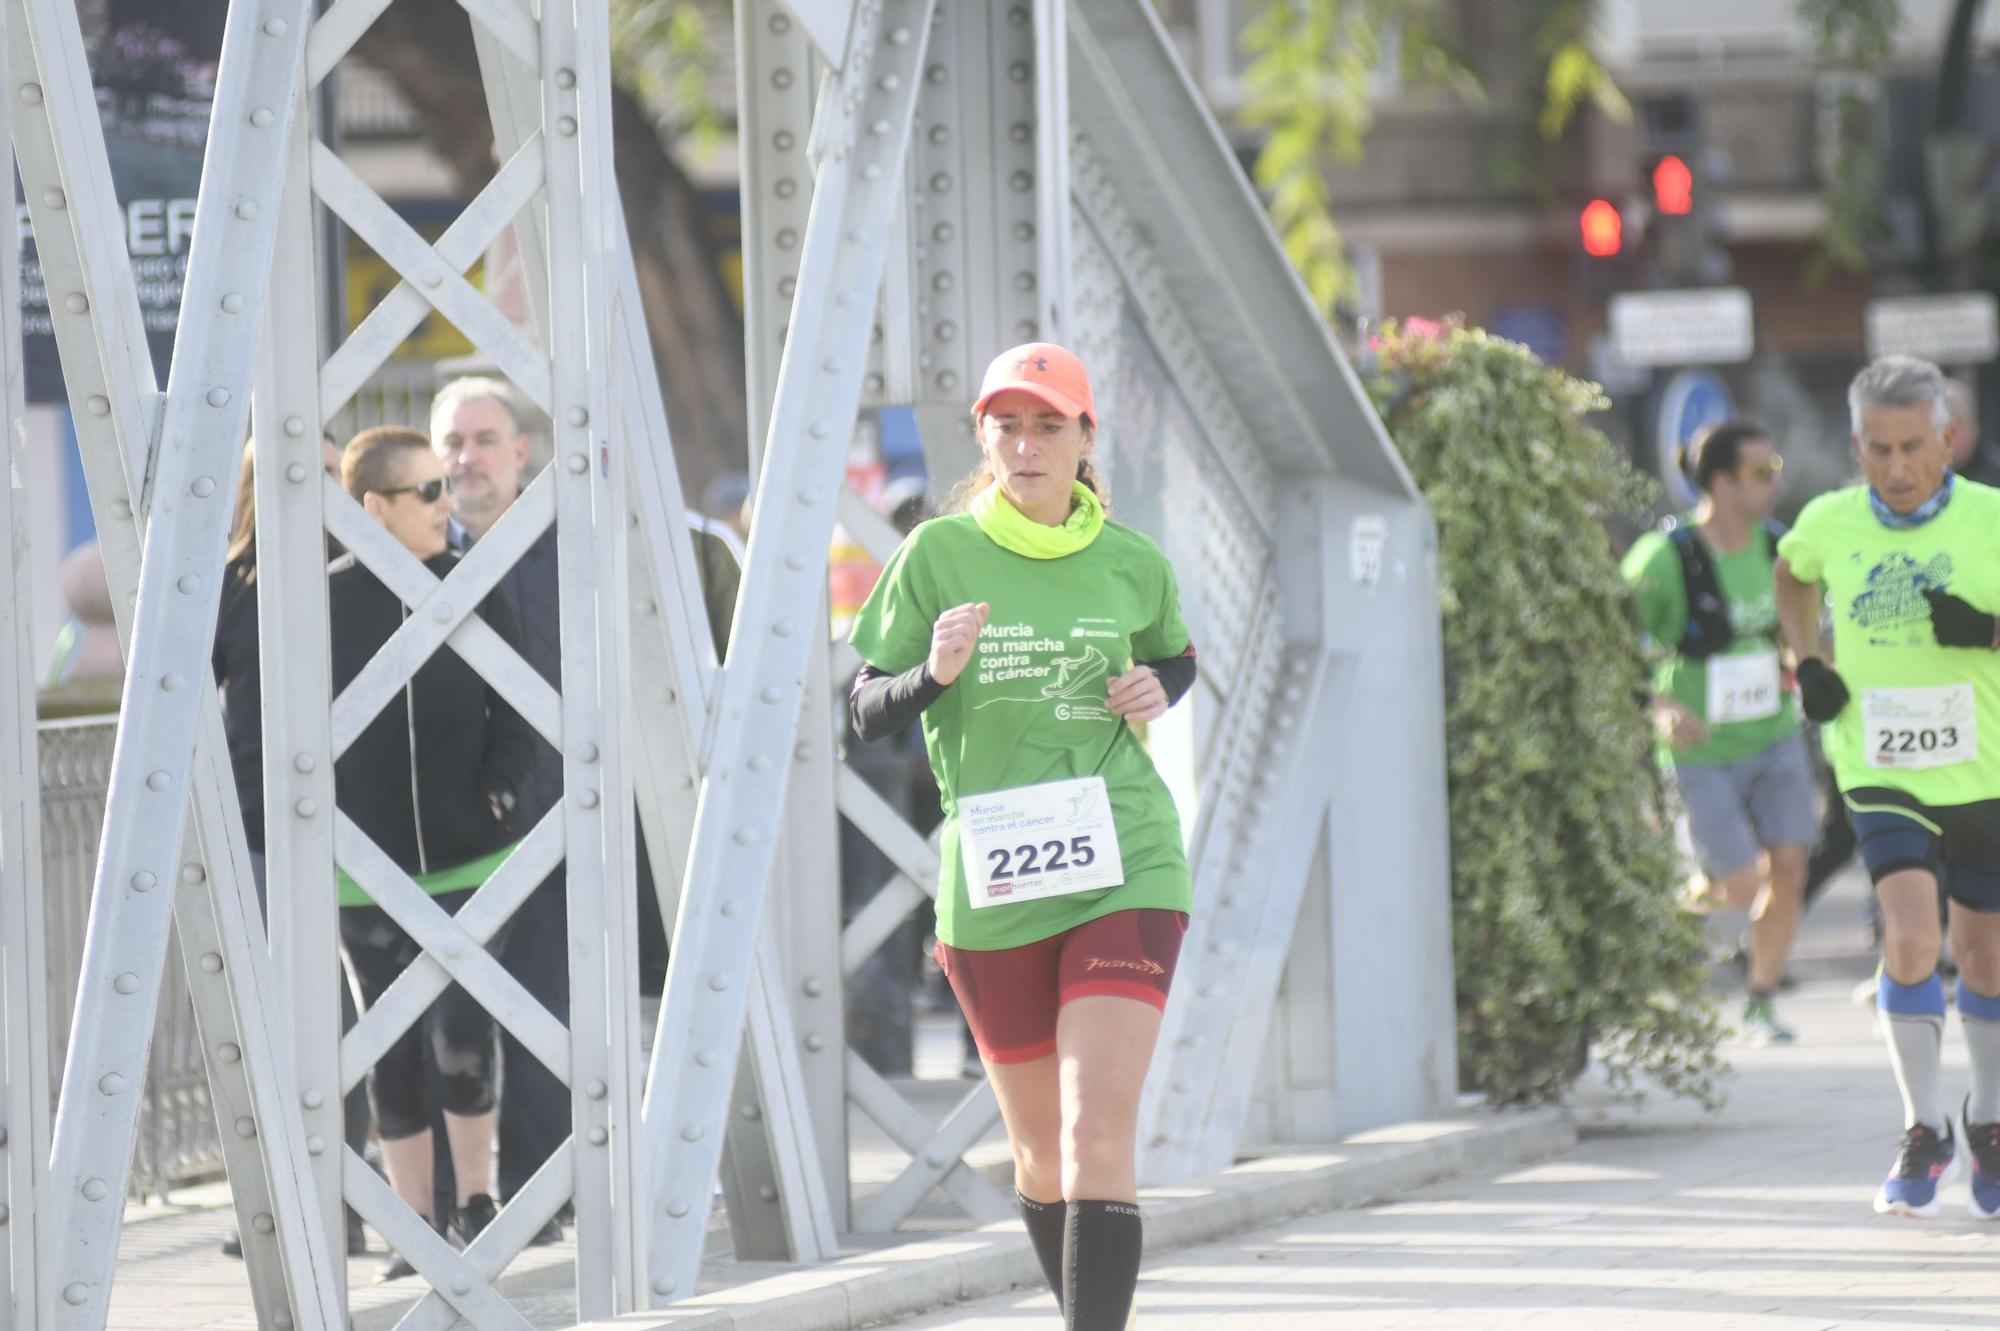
{"type": "Point", "coordinates": [1118, 964]}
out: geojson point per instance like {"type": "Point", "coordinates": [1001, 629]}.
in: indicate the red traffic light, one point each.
{"type": "Point", "coordinates": [1602, 228]}
{"type": "Point", "coordinates": [1673, 187]}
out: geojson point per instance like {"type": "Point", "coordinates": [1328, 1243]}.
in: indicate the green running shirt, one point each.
{"type": "Point", "coordinates": [1029, 706]}
{"type": "Point", "coordinates": [1873, 577]}
{"type": "Point", "coordinates": [1653, 568]}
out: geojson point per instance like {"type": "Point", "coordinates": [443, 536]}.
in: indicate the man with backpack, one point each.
{"type": "Point", "coordinates": [1703, 588]}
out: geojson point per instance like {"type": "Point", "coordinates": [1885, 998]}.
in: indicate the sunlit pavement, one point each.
{"type": "Point", "coordinates": [1664, 1216]}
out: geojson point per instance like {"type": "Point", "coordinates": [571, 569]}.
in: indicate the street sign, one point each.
{"type": "Point", "coordinates": [1962, 328]}
{"type": "Point", "coordinates": [1703, 326]}
{"type": "Point", "coordinates": [1689, 402]}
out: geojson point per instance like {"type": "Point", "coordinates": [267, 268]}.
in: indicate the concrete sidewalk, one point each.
{"type": "Point", "coordinates": [1663, 1217]}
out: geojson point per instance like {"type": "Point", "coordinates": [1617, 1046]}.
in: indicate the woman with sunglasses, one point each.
{"type": "Point", "coordinates": [432, 781]}
{"type": "Point", "coordinates": [1728, 725]}
{"type": "Point", "coordinates": [1032, 634]}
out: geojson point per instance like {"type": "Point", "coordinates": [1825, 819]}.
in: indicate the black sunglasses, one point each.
{"type": "Point", "coordinates": [430, 491]}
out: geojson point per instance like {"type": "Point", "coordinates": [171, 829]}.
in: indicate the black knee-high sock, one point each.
{"type": "Point", "coordinates": [1045, 1231]}
{"type": "Point", "coordinates": [1101, 1246]}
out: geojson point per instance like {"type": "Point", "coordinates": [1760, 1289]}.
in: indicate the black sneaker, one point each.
{"type": "Point", "coordinates": [398, 1266]}
{"type": "Point", "coordinates": [1982, 1141]}
{"type": "Point", "coordinates": [548, 1234]}
{"type": "Point", "coordinates": [472, 1218]}
{"type": "Point", "coordinates": [1921, 1164]}
{"type": "Point", "coordinates": [232, 1246]}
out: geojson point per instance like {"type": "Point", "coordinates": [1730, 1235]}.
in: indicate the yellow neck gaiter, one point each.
{"type": "Point", "coordinates": [1010, 530]}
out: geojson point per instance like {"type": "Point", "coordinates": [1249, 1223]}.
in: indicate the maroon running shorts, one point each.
{"type": "Point", "coordinates": [1011, 996]}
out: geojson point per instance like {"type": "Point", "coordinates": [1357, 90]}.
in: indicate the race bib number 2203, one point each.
{"type": "Point", "coordinates": [1038, 841]}
{"type": "Point", "coordinates": [1914, 729]}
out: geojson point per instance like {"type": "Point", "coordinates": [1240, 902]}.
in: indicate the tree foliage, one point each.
{"type": "Point", "coordinates": [1853, 40]}
{"type": "Point", "coordinates": [1566, 927]}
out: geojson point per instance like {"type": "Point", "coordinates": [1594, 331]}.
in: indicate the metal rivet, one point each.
{"type": "Point", "coordinates": [111, 1083]}
{"type": "Point", "coordinates": [218, 397]}
{"type": "Point", "coordinates": [192, 872]}
{"type": "Point", "coordinates": [246, 209]}
{"type": "Point", "coordinates": [158, 781]}
{"type": "Point", "coordinates": [781, 79]}
{"type": "Point", "coordinates": [275, 27]}
{"type": "Point", "coordinates": [74, 1295]}
{"type": "Point", "coordinates": [315, 1145]}
{"type": "Point", "coordinates": [947, 380]}
{"type": "Point", "coordinates": [815, 1043]}
{"type": "Point", "coordinates": [31, 93]}
{"type": "Point", "coordinates": [598, 1136]}
{"type": "Point", "coordinates": [767, 1193]}
{"type": "Point", "coordinates": [93, 1190]}
{"type": "Point", "coordinates": [246, 1126]}
{"type": "Point", "coordinates": [566, 126]}
{"type": "Point", "coordinates": [854, 235]}
{"type": "Point", "coordinates": [55, 198]}
{"type": "Point", "coordinates": [97, 405]}
{"type": "Point", "coordinates": [813, 988]}
{"type": "Point", "coordinates": [787, 238]}
{"type": "Point", "coordinates": [577, 464]}
{"type": "Point", "coordinates": [935, 1159]}
{"type": "Point", "coordinates": [303, 762]}
{"type": "Point", "coordinates": [282, 1320]}
{"type": "Point", "coordinates": [202, 487]}
{"type": "Point", "coordinates": [312, 1099]}
{"type": "Point", "coordinates": [728, 910]}
{"type": "Point", "coordinates": [808, 496]}
{"type": "Point", "coordinates": [579, 417]}
{"type": "Point", "coordinates": [263, 1223]}
{"type": "Point", "coordinates": [750, 1113]}
{"type": "Point", "coordinates": [143, 881]}
{"type": "Point", "coordinates": [296, 473]}
{"type": "Point", "coordinates": [587, 753]}
{"type": "Point", "coordinates": [441, 612]}
{"type": "Point", "coordinates": [262, 117]}
{"type": "Point", "coordinates": [588, 799]}
{"type": "Point", "coordinates": [691, 1133]}
{"type": "Point", "coordinates": [461, 1286]}
{"type": "Point", "coordinates": [228, 1053]}
{"type": "Point", "coordinates": [295, 426]}
{"type": "Point", "coordinates": [1021, 132]}
{"type": "Point", "coordinates": [937, 74]}
{"type": "Point", "coordinates": [1024, 230]}
{"type": "Point", "coordinates": [677, 1209]}
{"type": "Point", "coordinates": [718, 982]}
{"type": "Point", "coordinates": [785, 187]}
{"type": "Point", "coordinates": [872, 171]}
{"type": "Point", "coordinates": [596, 1089]}
{"type": "Point", "coordinates": [946, 331]}
{"type": "Point", "coordinates": [211, 962]}
{"type": "Point", "coordinates": [433, 278]}
{"type": "Point", "coordinates": [663, 1287]}
{"type": "Point", "coordinates": [172, 683]}
{"type": "Point", "coordinates": [772, 695]}
{"type": "Point", "coordinates": [744, 836]}
{"type": "Point", "coordinates": [76, 302]}
{"type": "Point", "coordinates": [188, 584]}
{"type": "Point", "coordinates": [232, 304]}
{"type": "Point", "coordinates": [565, 78]}
{"type": "Point", "coordinates": [783, 628]}
{"type": "Point", "coordinates": [704, 1058]}
{"type": "Point", "coordinates": [305, 808]}
{"type": "Point", "coordinates": [783, 140]}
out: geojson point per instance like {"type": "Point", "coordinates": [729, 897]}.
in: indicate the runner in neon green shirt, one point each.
{"type": "Point", "coordinates": [1728, 726]}
{"type": "Point", "coordinates": [1909, 563]}
{"type": "Point", "coordinates": [1031, 634]}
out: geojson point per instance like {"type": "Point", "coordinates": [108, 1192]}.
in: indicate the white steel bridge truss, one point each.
{"type": "Point", "coordinates": [924, 183]}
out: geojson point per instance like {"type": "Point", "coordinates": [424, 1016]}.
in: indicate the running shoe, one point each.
{"type": "Point", "coordinates": [1921, 1164]}
{"type": "Point", "coordinates": [469, 1221]}
{"type": "Point", "coordinates": [1982, 1141]}
{"type": "Point", "coordinates": [1760, 1025]}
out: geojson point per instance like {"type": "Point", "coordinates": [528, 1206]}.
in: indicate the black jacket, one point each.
{"type": "Point", "coordinates": [238, 677]}
{"type": "Point", "coordinates": [433, 810]}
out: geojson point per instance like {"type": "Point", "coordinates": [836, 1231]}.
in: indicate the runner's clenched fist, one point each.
{"type": "Point", "coordinates": [1137, 695]}
{"type": "Point", "coordinates": [952, 639]}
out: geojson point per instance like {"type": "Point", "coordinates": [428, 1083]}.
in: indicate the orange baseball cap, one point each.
{"type": "Point", "coordinates": [1050, 372]}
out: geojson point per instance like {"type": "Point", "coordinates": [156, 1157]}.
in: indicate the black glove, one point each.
{"type": "Point", "coordinates": [1821, 690]}
{"type": "Point", "coordinates": [1955, 623]}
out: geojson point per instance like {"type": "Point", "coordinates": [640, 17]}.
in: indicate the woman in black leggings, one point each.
{"type": "Point", "coordinates": [433, 782]}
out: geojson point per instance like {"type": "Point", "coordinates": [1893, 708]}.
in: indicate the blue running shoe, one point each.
{"type": "Point", "coordinates": [1912, 1186]}
{"type": "Point", "coordinates": [1982, 1140]}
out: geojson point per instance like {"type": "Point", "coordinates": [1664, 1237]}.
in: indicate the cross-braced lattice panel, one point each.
{"type": "Point", "coordinates": [567, 374]}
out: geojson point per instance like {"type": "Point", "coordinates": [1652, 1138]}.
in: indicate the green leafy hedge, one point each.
{"type": "Point", "coordinates": [1566, 929]}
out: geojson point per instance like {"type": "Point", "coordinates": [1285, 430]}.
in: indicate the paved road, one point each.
{"type": "Point", "coordinates": [1663, 1218]}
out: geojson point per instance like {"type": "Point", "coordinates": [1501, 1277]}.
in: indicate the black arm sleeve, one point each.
{"type": "Point", "coordinates": [882, 704]}
{"type": "Point", "coordinates": [1176, 674]}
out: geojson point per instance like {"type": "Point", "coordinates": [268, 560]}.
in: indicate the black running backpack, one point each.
{"type": "Point", "coordinates": [1708, 631]}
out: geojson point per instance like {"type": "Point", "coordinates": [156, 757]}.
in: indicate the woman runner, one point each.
{"type": "Point", "coordinates": [1013, 627]}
